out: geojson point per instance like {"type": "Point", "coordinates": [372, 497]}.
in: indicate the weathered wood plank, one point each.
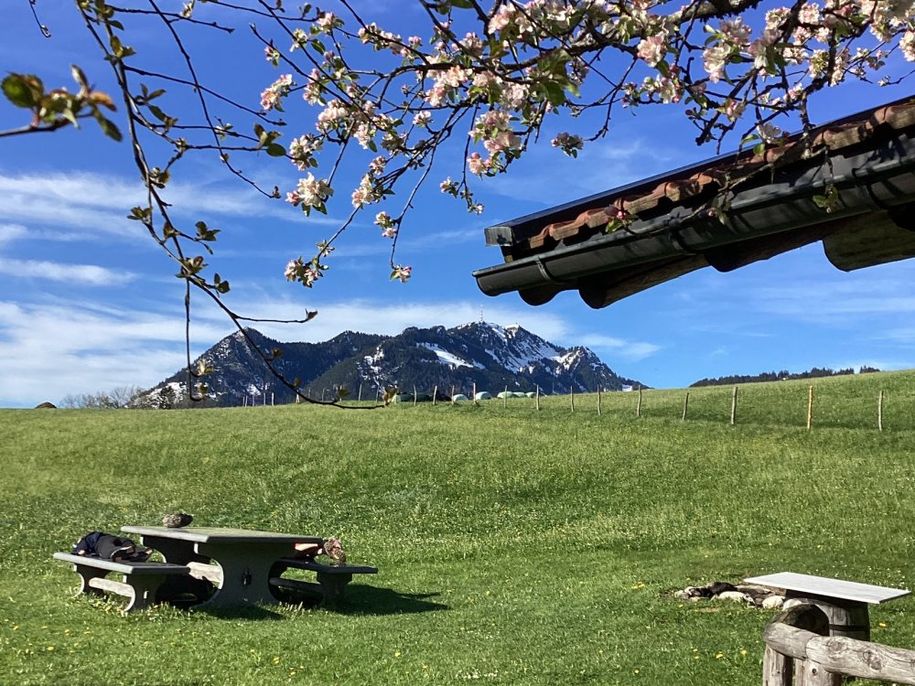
{"type": "Point", "coordinates": [792, 629]}
{"type": "Point", "coordinates": [863, 659]}
{"type": "Point", "coordinates": [777, 668]}
{"type": "Point", "coordinates": [810, 673]}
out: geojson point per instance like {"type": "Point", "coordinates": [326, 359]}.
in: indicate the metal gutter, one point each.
{"type": "Point", "coordinates": [871, 178]}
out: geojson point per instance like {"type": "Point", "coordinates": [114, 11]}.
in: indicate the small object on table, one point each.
{"type": "Point", "coordinates": [333, 548]}
{"type": "Point", "coordinates": [176, 520]}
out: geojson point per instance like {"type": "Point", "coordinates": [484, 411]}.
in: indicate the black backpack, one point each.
{"type": "Point", "coordinates": [110, 547]}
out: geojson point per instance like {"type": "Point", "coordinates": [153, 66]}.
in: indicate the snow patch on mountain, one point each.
{"type": "Point", "coordinates": [448, 358]}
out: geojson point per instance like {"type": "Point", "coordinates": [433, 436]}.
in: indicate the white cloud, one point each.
{"type": "Point", "coordinates": [600, 167]}
{"type": "Point", "coordinates": [100, 203]}
{"type": "Point", "coordinates": [87, 274]}
{"type": "Point", "coordinates": [11, 232]}
{"type": "Point", "coordinates": [387, 318]}
{"type": "Point", "coordinates": [620, 348]}
{"type": "Point", "coordinates": [52, 349]}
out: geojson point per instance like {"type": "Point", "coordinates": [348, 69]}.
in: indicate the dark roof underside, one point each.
{"type": "Point", "coordinates": [725, 213]}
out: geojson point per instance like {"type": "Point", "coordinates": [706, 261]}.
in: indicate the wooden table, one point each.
{"type": "Point", "coordinates": [845, 603]}
{"type": "Point", "coordinates": [244, 558]}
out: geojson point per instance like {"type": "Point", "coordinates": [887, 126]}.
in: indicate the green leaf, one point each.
{"type": "Point", "coordinates": [554, 93]}
{"type": "Point", "coordinates": [109, 128]}
{"type": "Point", "coordinates": [158, 113]}
{"type": "Point", "coordinates": [79, 76]}
{"type": "Point", "coordinates": [23, 90]}
{"type": "Point", "coordinates": [276, 150]}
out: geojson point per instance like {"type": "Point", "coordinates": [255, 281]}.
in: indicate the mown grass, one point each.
{"type": "Point", "coordinates": [514, 546]}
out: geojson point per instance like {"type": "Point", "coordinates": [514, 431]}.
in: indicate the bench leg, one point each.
{"type": "Point", "coordinates": [143, 592]}
{"type": "Point", "coordinates": [86, 574]}
{"type": "Point", "coordinates": [333, 585]}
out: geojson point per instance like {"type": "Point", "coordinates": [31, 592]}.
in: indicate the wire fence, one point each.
{"type": "Point", "coordinates": [880, 402]}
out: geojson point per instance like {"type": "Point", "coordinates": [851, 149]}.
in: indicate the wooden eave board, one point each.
{"type": "Point", "coordinates": [829, 588]}
{"type": "Point", "coordinates": [225, 535]}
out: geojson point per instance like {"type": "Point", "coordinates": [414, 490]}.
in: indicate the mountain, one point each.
{"type": "Point", "coordinates": [488, 355]}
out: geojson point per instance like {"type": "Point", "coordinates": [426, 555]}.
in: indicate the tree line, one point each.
{"type": "Point", "coordinates": [784, 375]}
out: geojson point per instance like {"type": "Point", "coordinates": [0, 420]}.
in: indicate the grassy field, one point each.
{"type": "Point", "coordinates": [514, 546]}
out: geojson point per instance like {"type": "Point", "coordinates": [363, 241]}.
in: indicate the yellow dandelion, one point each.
{"type": "Point", "coordinates": [718, 656]}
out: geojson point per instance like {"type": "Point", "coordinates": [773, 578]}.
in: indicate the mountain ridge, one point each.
{"type": "Point", "coordinates": [489, 356]}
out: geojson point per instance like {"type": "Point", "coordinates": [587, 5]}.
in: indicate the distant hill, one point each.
{"type": "Point", "coordinates": [814, 373]}
{"type": "Point", "coordinates": [488, 355]}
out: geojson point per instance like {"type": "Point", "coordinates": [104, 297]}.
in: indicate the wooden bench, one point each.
{"type": "Point", "coordinates": [845, 603]}
{"type": "Point", "coordinates": [140, 580]}
{"type": "Point", "coordinates": [332, 580]}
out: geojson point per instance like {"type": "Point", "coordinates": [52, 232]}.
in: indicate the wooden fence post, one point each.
{"type": "Point", "coordinates": [474, 396]}
{"type": "Point", "coordinates": [537, 398]}
{"type": "Point", "coordinates": [360, 393]}
{"type": "Point", "coordinates": [505, 397]}
{"type": "Point", "coordinates": [598, 400]}
{"type": "Point", "coordinates": [414, 395]}
{"type": "Point", "coordinates": [434, 394]}
{"type": "Point", "coordinates": [572, 398]}
{"type": "Point", "coordinates": [638, 407]}
{"type": "Point", "coordinates": [452, 394]}
{"type": "Point", "coordinates": [734, 407]}
{"type": "Point", "coordinates": [685, 407]}
{"type": "Point", "coordinates": [323, 391]}
{"type": "Point", "coordinates": [809, 407]}
{"type": "Point", "coordinates": [880, 411]}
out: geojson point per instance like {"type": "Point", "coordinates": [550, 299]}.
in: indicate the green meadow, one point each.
{"type": "Point", "coordinates": [514, 545]}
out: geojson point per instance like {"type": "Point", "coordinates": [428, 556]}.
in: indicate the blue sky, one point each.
{"type": "Point", "coordinates": [88, 303]}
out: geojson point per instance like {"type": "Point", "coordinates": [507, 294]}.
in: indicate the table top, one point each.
{"type": "Point", "coordinates": [829, 588]}
{"type": "Point", "coordinates": [220, 535]}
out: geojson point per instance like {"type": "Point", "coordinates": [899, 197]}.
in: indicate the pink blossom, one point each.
{"type": "Point", "coordinates": [401, 273]}
{"type": "Point", "coordinates": [270, 97]}
{"type": "Point", "coordinates": [476, 164]}
{"type": "Point", "coordinates": [907, 45]}
{"type": "Point", "coordinates": [652, 48]}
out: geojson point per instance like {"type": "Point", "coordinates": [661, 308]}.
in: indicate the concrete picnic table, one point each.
{"type": "Point", "coordinates": [243, 558]}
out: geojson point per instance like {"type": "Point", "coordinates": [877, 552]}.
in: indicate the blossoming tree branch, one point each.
{"type": "Point", "coordinates": [460, 99]}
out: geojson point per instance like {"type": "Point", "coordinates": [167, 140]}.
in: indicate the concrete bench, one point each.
{"type": "Point", "coordinates": [332, 580]}
{"type": "Point", "coordinates": [140, 580]}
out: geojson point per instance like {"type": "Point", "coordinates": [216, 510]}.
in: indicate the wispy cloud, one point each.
{"type": "Point", "coordinates": [620, 348]}
{"type": "Point", "coordinates": [86, 274]}
{"type": "Point", "coordinates": [372, 316]}
{"type": "Point", "coordinates": [599, 167]}
{"type": "Point", "coordinates": [100, 203]}
{"type": "Point", "coordinates": [51, 349]}
{"type": "Point", "coordinates": [11, 232]}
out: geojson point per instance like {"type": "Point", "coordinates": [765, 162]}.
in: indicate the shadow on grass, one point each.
{"type": "Point", "coordinates": [369, 600]}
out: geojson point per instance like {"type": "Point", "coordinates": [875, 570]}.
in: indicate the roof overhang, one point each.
{"type": "Point", "coordinates": [726, 212]}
